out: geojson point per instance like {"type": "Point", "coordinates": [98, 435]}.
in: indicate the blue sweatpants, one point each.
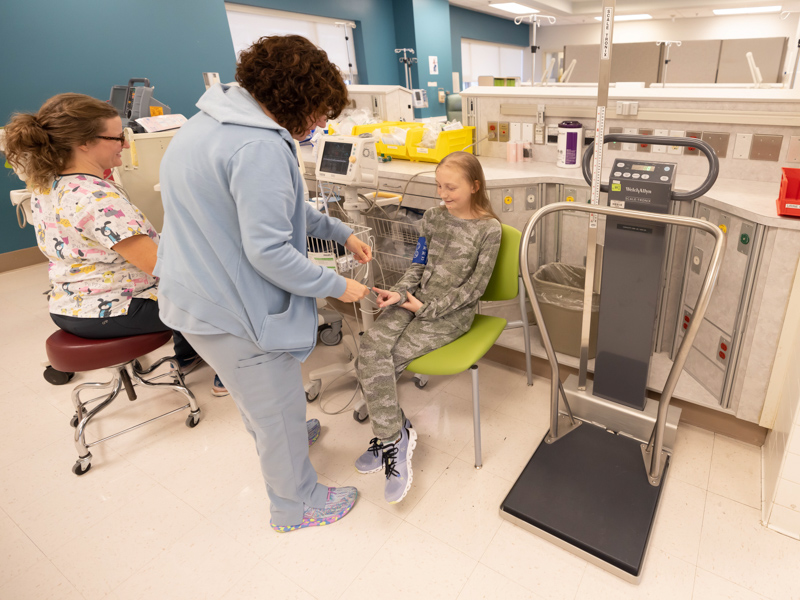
{"type": "Point", "coordinates": [268, 390]}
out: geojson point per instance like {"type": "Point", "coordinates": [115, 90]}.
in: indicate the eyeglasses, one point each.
{"type": "Point", "coordinates": [120, 139]}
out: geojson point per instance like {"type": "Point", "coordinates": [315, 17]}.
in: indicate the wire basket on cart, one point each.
{"type": "Point", "coordinates": [395, 242]}
{"type": "Point", "coordinates": [329, 254]}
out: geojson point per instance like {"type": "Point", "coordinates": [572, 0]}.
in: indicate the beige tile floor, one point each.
{"type": "Point", "coordinates": [171, 512]}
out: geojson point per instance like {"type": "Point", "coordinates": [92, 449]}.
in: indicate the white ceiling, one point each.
{"type": "Point", "coordinates": [571, 12]}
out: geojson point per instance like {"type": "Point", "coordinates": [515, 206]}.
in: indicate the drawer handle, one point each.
{"type": "Point", "coordinates": [396, 187]}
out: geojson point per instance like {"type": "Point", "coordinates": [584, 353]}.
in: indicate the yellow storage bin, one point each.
{"type": "Point", "coordinates": [386, 127]}
{"type": "Point", "coordinates": [448, 141]}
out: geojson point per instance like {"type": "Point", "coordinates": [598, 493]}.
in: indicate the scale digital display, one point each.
{"type": "Point", "coordinates": [643, 167]}
{"type": "Point", "coordinates": [336, 158]}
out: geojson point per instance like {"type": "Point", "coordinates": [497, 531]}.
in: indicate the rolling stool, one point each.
{"type": "Point", "coordinates": [69, 353]}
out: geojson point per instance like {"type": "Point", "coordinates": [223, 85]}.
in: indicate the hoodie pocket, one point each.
{"type": "Point", "coordinates": [292, 330]}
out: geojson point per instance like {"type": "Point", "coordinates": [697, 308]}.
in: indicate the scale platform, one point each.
{"type": "Point", "coordinates": [589, 493]}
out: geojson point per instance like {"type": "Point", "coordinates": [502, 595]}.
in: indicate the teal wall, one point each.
{"type": "Point", "coordinates": [431, 28]}
{"type": "Point", "coordinates": [486, 28]}
{"type": "Point", "coordinates": [86, 46]}
{"type": "Point", "coordinates": [373, 36]}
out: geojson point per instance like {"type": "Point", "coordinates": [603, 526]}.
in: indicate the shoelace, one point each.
{"type": "Point", "coordinates": [375, 446]}
{"type": "Point", "coordinates": [389, 456]}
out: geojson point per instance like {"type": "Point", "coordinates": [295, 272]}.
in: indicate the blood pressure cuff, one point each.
{"type": "Point", "coordinates": [421, 253]}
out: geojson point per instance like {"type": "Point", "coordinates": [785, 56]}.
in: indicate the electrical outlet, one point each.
{"type": "Point", "coordinates": [724, 222]}
{"type": "Point", "coordinates": [588, 137]}
{"type": "Point", "coordinates": [746, 234]}
{"type": "Point", "coordinates": [675, 149]}
{"type": "Point", "coordinates": [491, 132]}
{"type": "Point", "coordinates": [644, 147]}
{"type": "Point", "coordinates": [530, 198]}
{"type": "Point", "coordinates": [766, 147]}
{"type": "Point", "coordinates": [793, 151]}
{"type": "Point", "coordinates": [615, 145]}
{"type": "Point", "coordinates": [633, 108]}
{"type": "Point", "coordinates": [741, 146]}
{"type": "Point", "coordinates": [508, 200]}
{"type": "Point", "coordinates": [723, 350]}
{"type": "Point", "coordinates": [718, 141]}
{"type": "Point", "coordinates": [697, 260]}
{"type": "Point", "coordinates": [630, 147]}
{"type": "Point", "coordinates": [527, 132]}
{"type": "Point", "coordinates": [515, 132]}
{"type": "Point", "coordinates": [552, 134]}
{"type": "Point", "coordinates": [660, 133]}
{"type": "Point", "coordinates": [502, 129]}
{"type": "Point", "coordinates": [691, 150]}
{"type": "Point", "coordinates": [538, 133]}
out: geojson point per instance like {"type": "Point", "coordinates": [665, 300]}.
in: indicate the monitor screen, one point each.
{"type": "Point", "coordinates": [643, 168]}
{"type": "Point", "coordinates": [335, 158]}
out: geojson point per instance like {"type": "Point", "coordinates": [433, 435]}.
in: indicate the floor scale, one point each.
{"type": "Point", "coordinates": [594, 484]}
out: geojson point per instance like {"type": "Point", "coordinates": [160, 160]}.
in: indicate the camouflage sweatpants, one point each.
{"type": "Point", "coordinates": [394, 340]}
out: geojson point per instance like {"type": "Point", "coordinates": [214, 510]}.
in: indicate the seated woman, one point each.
{"type": "Point", "coordinates": [433, 304]}
{"type": "Point", "coordinates": [102, 249]}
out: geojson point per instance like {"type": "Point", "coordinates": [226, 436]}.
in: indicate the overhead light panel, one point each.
{"type": "Point", "coordinates": [628, 18]}
{"type": "Point", "coordinates": [747, 11]}
{"type": "Point", "coordinates": [514, 7]}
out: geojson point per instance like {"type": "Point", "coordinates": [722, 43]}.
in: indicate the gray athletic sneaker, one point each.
{"type": "Point", "coordinates": [397, 463]}
{"type": "Point", "coordinates": [372, 460]}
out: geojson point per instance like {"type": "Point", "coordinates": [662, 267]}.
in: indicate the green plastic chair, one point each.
{"type": "Point", "coordinates": [465, 352]}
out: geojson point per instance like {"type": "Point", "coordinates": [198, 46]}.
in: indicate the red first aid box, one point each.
{"type": "Point", "coordinates": [789, 199]}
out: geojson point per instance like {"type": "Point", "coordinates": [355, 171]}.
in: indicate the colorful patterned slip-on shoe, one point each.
{"type": "Point", "coordinates": [372, 460]}
{"type": "Point", "coordinates": [217, 388]}
{"type": "Point", "coordinates": [313, 427]}
{"type": "Point", "coordinates": [340, 501]}
{"type": "Point", "coordinates": [397, 462]}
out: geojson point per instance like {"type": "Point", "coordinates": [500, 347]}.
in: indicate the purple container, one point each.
{"type": "Point", "coordinates": [570, 142]}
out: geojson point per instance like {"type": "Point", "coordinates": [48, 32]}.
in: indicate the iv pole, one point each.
{"type": "Point", "coordinates": [407, 62]}
{"type": "Point", "coordinates": [534, 20]}
{"type": "Point", "coordinates": [347, 26]}
{"type": "Point", "coordinates": [667, 44]}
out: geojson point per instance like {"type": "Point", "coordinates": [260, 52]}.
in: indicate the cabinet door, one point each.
{"type": "Point", "coordinates": [712, 359]}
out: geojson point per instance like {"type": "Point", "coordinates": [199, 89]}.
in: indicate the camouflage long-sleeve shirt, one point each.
{"type": "Point", "coordinates": [460, 261]}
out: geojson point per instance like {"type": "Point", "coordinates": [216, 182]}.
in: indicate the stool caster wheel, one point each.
{"type": "Point", "coordinates": [420, 381]}
{"type": "Point", "coordinates": [55, 377]}
{"type": "Point", "coordinates": [192, 420]}
{"type": "Point", "coordinates": [79, 469]}
{"type": "Point", "coordinates": [312, 389]}
{"type": "Point", "coordinates": [359, 416]}
{"type": "Point", "coordinates": [329, 336]}
{"type": "Point", "coordinates": [73, 422]}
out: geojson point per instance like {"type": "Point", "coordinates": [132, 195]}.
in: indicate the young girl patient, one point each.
{"type": "Point", "coordinates": [433, 304]}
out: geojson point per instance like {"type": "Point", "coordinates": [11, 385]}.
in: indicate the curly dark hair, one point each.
{"type": "Point", "coordinates": [293, 80]}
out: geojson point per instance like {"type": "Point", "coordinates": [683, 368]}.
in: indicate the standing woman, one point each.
{"type": "Point", "coordinates": [233, 268]}
{"type": "Point", "coordinates": [102, 249]}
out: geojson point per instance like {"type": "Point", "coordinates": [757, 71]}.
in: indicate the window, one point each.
{"type": "Point", "coordinates": [484, 58]}
{"type": "Point", "coordinates": [249, 23]}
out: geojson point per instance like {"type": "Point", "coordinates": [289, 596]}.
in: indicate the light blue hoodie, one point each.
{"type": "Point", "coordinates": [232, 256]}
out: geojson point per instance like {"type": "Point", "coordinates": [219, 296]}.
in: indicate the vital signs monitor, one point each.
{"type": "Point", "coordinates": [347, 160]}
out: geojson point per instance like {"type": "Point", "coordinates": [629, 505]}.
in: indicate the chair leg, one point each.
{"type": "Point", "coordinates": [136, 373]}
{"type": "Point", "coordinates": [476, 416]}
{"type": "Point", "coordinates": [84, 416]}
{"type": "Point", "coordinates": [526, 330]}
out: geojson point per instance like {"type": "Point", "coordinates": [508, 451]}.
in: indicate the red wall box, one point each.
{"type": "Point", "coordinates": [789, 199]}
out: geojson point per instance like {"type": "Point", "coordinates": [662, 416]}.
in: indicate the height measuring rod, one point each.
{"type": "Point", "coordinates": [607, 27]}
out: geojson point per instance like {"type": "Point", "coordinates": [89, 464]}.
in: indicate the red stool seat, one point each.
{"type": "Point", "coordinates": [69, 353]}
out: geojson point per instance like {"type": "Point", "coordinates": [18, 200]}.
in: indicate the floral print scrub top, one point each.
{"type": "Point", "coordinates": [77, 222]}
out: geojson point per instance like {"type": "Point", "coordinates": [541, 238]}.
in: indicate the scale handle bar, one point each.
{"type": "Point", "coordinates": [656, 140]}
